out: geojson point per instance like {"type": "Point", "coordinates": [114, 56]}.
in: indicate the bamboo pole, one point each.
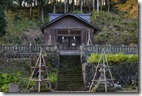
{"type": "Point", "coordinates": [95, 73]}
{"type": "Point", "coordinates": [104, 69]}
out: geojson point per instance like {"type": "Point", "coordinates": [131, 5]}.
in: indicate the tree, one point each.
{"type": "Point", "coordinates": [41, 4]}
{"type": "Point", "coordinates": [81, 5]}
{"type": "Point", "coordinates": [93, 5]}
{"type": "Point", "coordinates": [2, 18]}
{"type": "Point", "coordinates": [65, 6]}
{"type": "Point", "coordinates": [54, 9]}
{"type": "Point", "coordinates": [42, 11]}
{"type": "Point", "coordinates": [97, 5]}
{"type": "Point", "coordinates": [73, 7]}
{"type": "Point", "coordinates": [2, 23]}
{"type": "Point", "coordinates": [129, 6]}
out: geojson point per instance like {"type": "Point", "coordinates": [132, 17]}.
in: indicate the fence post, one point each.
{"type": "Point", "coordinates": [122, 48]}
{"type": "Point", "coordinates": [136, 49]}
{"type": "Point", "coordinates": [97, 48]}
{"type": "Point", "coordinates": [109, 48]}
{"type": "Point", "coordinates": [30, 49]}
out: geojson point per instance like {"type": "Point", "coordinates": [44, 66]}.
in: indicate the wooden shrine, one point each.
{"type": "Point", "coordinates": [68, 31]}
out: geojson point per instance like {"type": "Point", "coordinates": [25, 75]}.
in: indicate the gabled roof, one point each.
{"type": "Point", "coordinates": [83, 16]}
{"type": "Point", "coordinates": [64, 15]}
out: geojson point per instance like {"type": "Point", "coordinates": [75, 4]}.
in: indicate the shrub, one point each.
{"type": "Point", "coordinates": [124, 67]}
{"type": "Point", "coordinates": [114, 58]}
{"type": "Point", "coordinates": [5, 79]}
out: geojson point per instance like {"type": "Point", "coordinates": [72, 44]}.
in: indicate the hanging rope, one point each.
{"type": "Point", "coordinates": [50, 40]}
{"type": "Point", "coordinates": [89, 42]}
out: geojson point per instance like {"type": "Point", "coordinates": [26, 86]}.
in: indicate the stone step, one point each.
{"type": "Point", "coordinates": [70, 86]}
{"type": "Point", "coordinates": [72, 66]}
{"type": "Point", "coordinates": [69, 80]}
{"type": "Point", "coordinates": [69, 74]}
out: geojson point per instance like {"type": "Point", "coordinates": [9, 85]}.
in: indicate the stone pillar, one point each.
{"type": "Point", "coordinates": [12, 87]}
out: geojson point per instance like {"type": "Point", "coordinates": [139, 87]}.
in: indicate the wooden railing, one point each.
{"type": "Point", "coordinates": [26, 48]}
{"type": "Point", "coordinates": [87, 49]}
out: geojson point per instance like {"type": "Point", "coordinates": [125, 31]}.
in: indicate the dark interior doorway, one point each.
{"type": "Point", "coordinates": [69, 40]}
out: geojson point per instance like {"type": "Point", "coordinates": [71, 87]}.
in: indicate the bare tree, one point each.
{"type": "Point", "coordinates": [73, 5]}
{"type": "Point", "coordinates": [100, 5]}
{"type": "Point", "coordinates": [42, 11]}
{"type": "Point", "coordinates": [93, 2]}
{"type": "Point", "coordinates": [97, 5]}
{"type": "Point", "coordinates": [65, 5]}
{"type": "Point", "coordinates": [81, 5]}
{"type": "Point", "coordinates": [108, 5]}
{"type": "Point", "coordinates": [31, 9]}
{"type": "Point", "coordinates": [54, 9]}
{"type": "Point", "coordinates": [39, 4]}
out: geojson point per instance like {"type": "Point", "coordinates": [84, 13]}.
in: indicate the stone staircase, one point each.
{"type": "Point", "coordinates": [70, 74]}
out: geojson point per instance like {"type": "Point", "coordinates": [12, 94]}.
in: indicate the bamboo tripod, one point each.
{"type": "Point", "coordinates": [101, 67]}
{"type": "Point", "coordinates": [40, 73]}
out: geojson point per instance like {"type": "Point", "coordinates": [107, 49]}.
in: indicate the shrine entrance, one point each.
{"type": "Point", "coordinates": [68, 39]}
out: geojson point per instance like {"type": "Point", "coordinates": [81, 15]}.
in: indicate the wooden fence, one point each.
{"type": "Point", "coordinates": [26, 48]}
{"type": "Point", "coordinates": [87, 49]}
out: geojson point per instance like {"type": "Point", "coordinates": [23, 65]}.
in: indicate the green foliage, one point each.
{"type": "Point", "coordinates": [2, 23]}
{"type": "Point", "coordinates": [124, 67]}
{"type": "Point", "coordinates": [114, 58]}
{"type": "Point", "coordinates": [77, 12]}
{"type": "Point", "coordinates": [17, 25]}
{"type": "Point", "coordinates": [117, 58]}
{"type": "Point", "coordinates": [132, 58]}
{"type": "Point", "coordinates": [53, 77]}
{"type": "Point", "coordinates": [114, 28]}
{"type": "Point", "coordinates": [93, 58]}
{"type": "Point", "coordinates": [19, 69]}
{"type": "Point", "coordinates": [5, 79]}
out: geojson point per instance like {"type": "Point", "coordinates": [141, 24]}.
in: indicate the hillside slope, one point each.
{"type": "Point", "coordinates": [115, 29]}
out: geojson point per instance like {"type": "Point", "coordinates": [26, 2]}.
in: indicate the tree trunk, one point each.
{"type": "Point", "coordinates": [54, 9]}
{"type": "Point", "coordinates": [73, 5]}
{"type": "Point", "coordinates": [89, 8]}
{"type": "Point", "coordinates": [42, 12]}
{"type": "Point", "coordinates": [31, 9]}
{"type": "Point", "coordinates": [34, 3]}
{"type": "Point", "coordinates": [24, 3]}
{"type": "Point", "coordinates": [20, 3]}
{"type": "Point", "coordinates": [100, 5]}
{"type": "Point", "coordinates": [93, 5]}
{"type": "Point", "coordinates": [97, 5]}
{"type": "Point", "coordinates": [81, 5]}
{"type": "Point", "coordinates": [65, 5]}
{"type": "Point", "coordinates": [108, 5]}
{"type": "Point", "coordinates": [39, 4]}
